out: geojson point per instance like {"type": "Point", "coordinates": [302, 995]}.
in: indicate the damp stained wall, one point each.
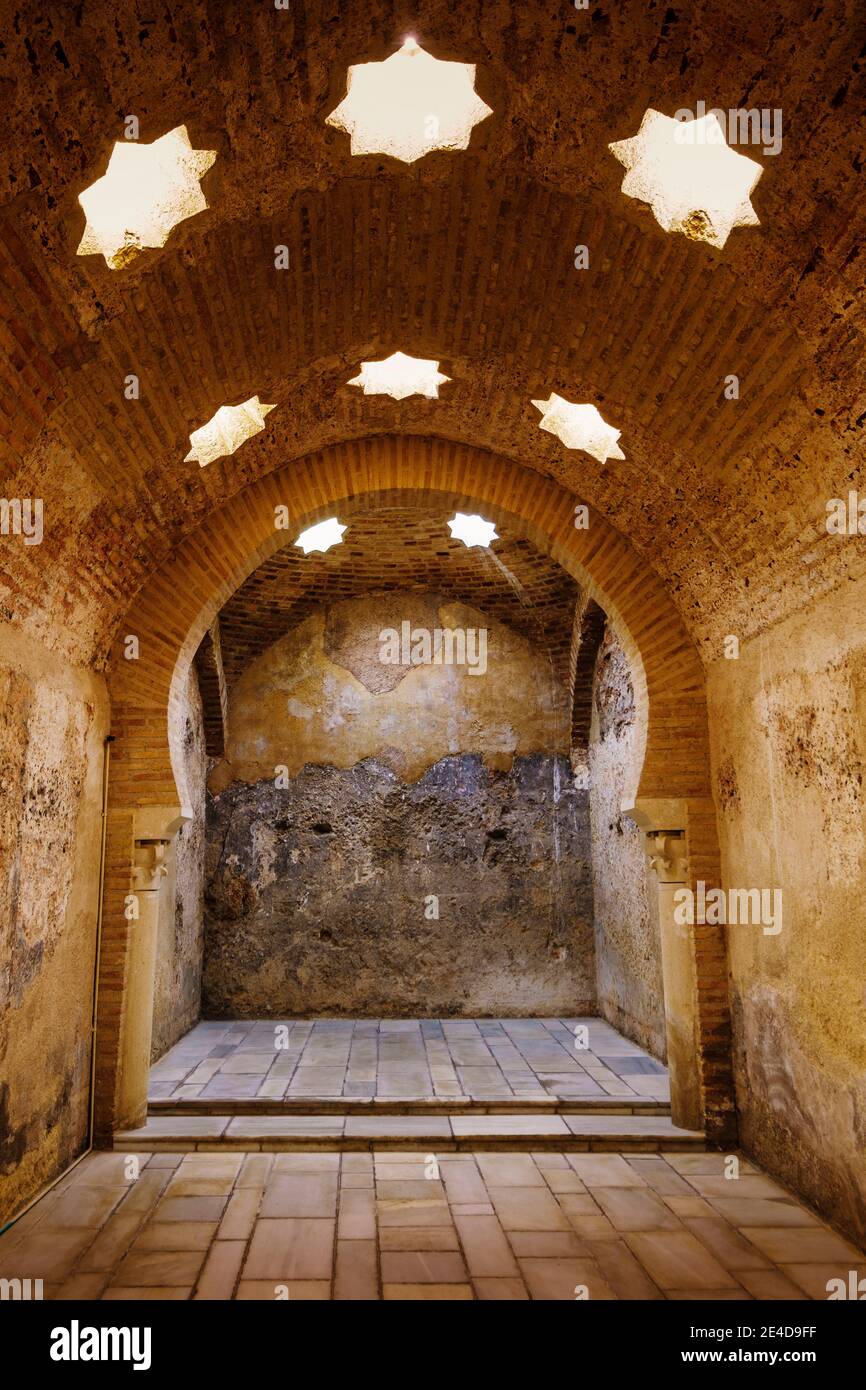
{"type": "Point", "coordinates": [427, 852]}
{"type": "Point", "coordinates": [627, 944]}
{"type": "Point", "coordinates": [788, 729]}
{"type": "Point", "coordinates": [53, 720]}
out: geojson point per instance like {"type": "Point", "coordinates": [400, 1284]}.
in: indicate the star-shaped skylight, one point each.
{"type": "Point", "coordinates": [144, 193]}
{"type": "Point", "coordinates": [472, 530]}
{"type": "Point", "coordinates": [409, 104]}
{"type": "Point", "coordinates": [579, 427]}
{"type": "Point", "coordinates": [688, 173]}
{"type": "Point", "coordinates": [321, 536]}
{"type": "Point", "coordinates": [400, 376]}
{"type": "Point", "coordinates": [226, 431]}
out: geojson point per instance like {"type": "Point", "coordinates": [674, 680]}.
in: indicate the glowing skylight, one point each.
{"type": "Point", "coordinates": [579, 427]}
{"type": "Point", "coordinates": [409, 104]}
{"type": "Point", "coordinates": [144, 193]}
{"type": "Point", "coordinates": [688, 173]}
{"type": "Point", "coordinates": [472, 530]}
{"type": "Point", "coordinates": [321, 536]}
{"type": "Point", "coordinates": [226, 431]}
{"type": "Point", "coordinates": [400, 376]}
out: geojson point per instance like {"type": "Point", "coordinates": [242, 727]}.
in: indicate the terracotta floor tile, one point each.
{"type": "Point", "coordinates": [221, 1269]}
{"type": "Point", "coordinates": [423, 1267]}
{"type": "Point", "coordinates": [190, 1208]}
{"type": "Point", "coordinates": [416, 1212]}
{"type": "Point", "coordinates": [546, 1244]}
{"type": "Point", "coordinates": [485, 1248]}
{"type": "Point", "coordinates": [357, 1214]}
{"type": "Point", "coordinates": [770, 1284]}
{"type": "Point", "coordinates": [357, 1274]}
{"type": "Point", "coordinates": [803, 1245]}
{"type": "Point", "coordinates": [509, 1170]}
{"type": "Point", "coordinates": [623, 1272]}
{"type": "Point", "coordinates": [144, 1294]}
{"type": "Point", "coordinates": [528, 1209]}
{"type": "Point", "coordinates": [418, 1238]}
{"type": "Point", "coordinates": [291, 1248]}
{"type": "Point", "coordinates": [427, 1292]}
{"type": "Point", "coordinates": [759, 1211]}
{"type": "Point", "coordinates": [175, 1235]}
{"type": "Point", "coordinates": [500, 1290]}
{"type": "Point", "coordinates": [300, 1194]}
{"type": "Point", "coordinates": [292, 1290]}
{"type": "Point", "coordinates": [564, 1279]}
{"type": "Point", "coordinates": [586, 1217]}
{"type": "Point", "coordinates": [604, 1170]}
{"type": "Point", "coordinates": [163, 1268]}
{"type": "Point", "coordinates": [677, 1260]}
{"type": "Point", "coordinates": [635, 1209]}
{"type": "Point", "coordinates": [813, 1279]}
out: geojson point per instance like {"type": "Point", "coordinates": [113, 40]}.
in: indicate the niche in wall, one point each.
{"type": "Point", "coordinates": [397, 839]}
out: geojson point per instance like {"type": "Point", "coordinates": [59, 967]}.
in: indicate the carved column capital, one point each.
{"type": "Point", "coordinates": [667, 855]}
{"type": "Point", "coordinates": [149, 865]}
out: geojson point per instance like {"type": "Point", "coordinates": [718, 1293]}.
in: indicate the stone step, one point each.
{"type": "Point", "coordinates": [408, 1105]}
{"type": "Point", "coordinates": [426, 1132]}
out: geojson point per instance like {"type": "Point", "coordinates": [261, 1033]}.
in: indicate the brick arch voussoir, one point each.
{"type": "Point", "coordinates": [175, 608]}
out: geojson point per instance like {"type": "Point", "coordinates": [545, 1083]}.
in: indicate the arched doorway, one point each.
{"type": "Point", "coordinates": [669, 798]}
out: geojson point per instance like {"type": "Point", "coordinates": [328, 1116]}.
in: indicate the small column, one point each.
{"type": "Point", "coordinates": [669, 861]}
{"type": "Point", "coordinates": [149, 869]}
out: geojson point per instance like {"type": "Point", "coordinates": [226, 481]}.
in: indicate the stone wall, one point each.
{"type": "Point", "coordinates": [406, 793]}
{"type": "Point", "coordinates": [627, 946]}
{"type": "Point", "coordinates": [180, 938]}
{"type": "Point", "coordinates": [788, 721]}
{"type": "Point", "coordinates": [53, 720]}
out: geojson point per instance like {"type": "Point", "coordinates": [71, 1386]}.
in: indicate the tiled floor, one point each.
{"type": "Point", "coordinates": [572, 1059]}
{"type": "Point", "coordinates": [419, 1226]}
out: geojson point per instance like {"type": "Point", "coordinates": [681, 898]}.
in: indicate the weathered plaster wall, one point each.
{"type": "Point", "coordinates": [180, 939]}
{"type": "Point", "coordinates": [402, 784]}
{"type": "Point", "coordinates": [627, 947]}
{"type": "Point", "coordinates": [321, 694]}
{"type": "Point", "coordinates": [788, 721]}
{"type": "Point", "coordinates": [53, 719]}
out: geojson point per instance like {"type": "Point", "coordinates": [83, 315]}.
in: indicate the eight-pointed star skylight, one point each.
{"type": "Point", "coordinates": [400, 376]}
{"type": "Point", "coordinates": [409, 104]}
{"type": "Point", "coordinates": [472, 529]}
{"type": "Point", "coordinates": [144, 193]}
{"type": "Point", "coordinates": [579, 427]}
{"type": "Point", "coordinates": [321, 536]}
{"type": "Point", "coordinates": [688, 173]}
{"type": "Point", "coordinates": [226, 431]}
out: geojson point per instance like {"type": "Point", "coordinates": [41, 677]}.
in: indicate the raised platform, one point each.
{"type": "Point", "coordinates": [411, 1084]}
{"type": "Point", "coordinates": [410, 1105]}
{"type": "Point", "coordinates": [451, 1059]}
{"type": "Point", "coordinates": [476, 1130]}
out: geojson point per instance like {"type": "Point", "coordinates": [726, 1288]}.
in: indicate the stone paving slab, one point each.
{"type": "Point", "coordinates": [472, 1059]}
{"type": "Point", "coordinates": [435, 1225]}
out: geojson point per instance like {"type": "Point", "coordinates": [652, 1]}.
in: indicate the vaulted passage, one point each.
{"type": "Point", "coordinates": [432, 684]}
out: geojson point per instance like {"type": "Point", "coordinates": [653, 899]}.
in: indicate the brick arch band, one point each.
{"type": "Point", "coordinates": [148, 799]}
